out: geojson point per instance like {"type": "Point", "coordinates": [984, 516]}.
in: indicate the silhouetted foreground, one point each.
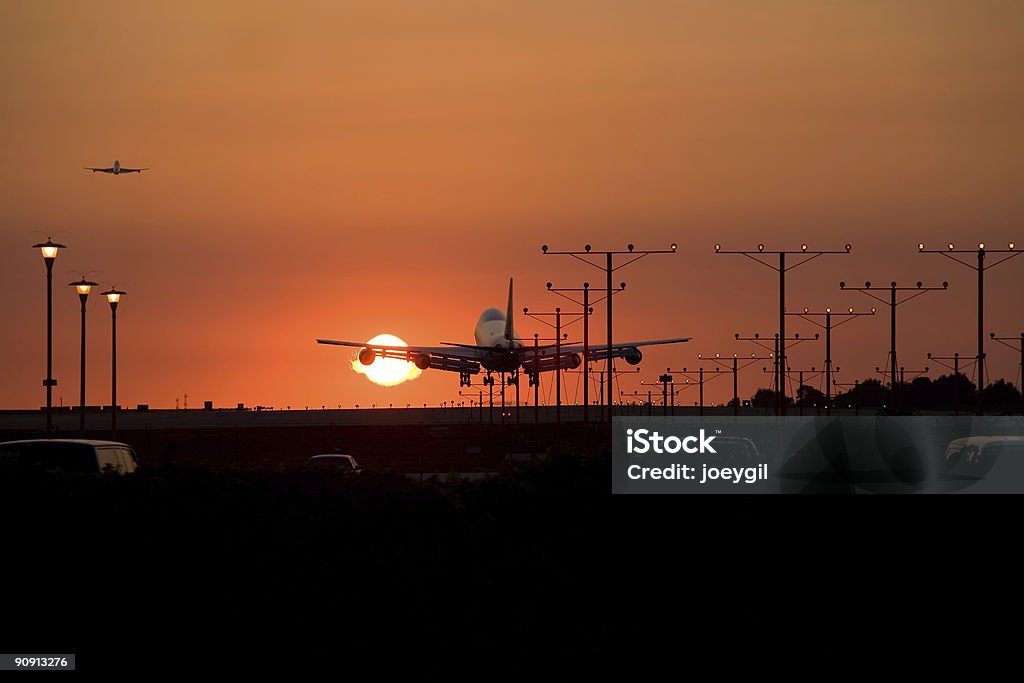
{"type": "Point", "coordinates": [175, 564]}
{"type": "Point", "coordinates": [180, 557]}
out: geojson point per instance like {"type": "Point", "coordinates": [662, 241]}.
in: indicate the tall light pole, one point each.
{"type": "Point", "coordinates": [1020, 349]}
{"type": "Point", "coordinates": [773, 353]}
{"type": "Point", "coordinates": [955, 367]}
{"type": "Point", "coordinates": [559, 338]}
{"type": "Point", "coordinates": [83, 287]}
{"type": "Point", "coordinates": [535, 378]}
{"type": "Point", "coordinates": [49, 249]}
{"type": "Point", "coordinates": [698, 381]}
{"type": "Point", "coordinates": [980, 267]}
{"type": "Point", "coordinates": [609, 268]}
{"type": "Point", "coordinates": [113, 298]}
{"type": "Point", "coordinates": [813, 372]}
{"type": "Point", "coordinates": [665, 381]}
{"type": "Point", "coordinates": [810, 316]}
{"type": "Point", "coordinates": [807, 256]}
{"type": "Point", "coordinates": [619, 373]}
{"type": "Point", "coordinates": [850, 387]}
{"type": "Point", "coordinates": [893, 302]}
{"type": "Point", "coordinates": [534, 373]}
{"type": "Point", "coordinates": [736, 367]}
{"type": "Point", "coordinates": [587, 311]}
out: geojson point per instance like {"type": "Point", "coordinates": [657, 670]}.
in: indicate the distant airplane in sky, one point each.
{"type": "Point", "coordinates": [116, 169]}
{"type": "Point", "coordinates": [498, 349]}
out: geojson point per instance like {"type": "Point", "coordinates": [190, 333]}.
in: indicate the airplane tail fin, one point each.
{"type": "Point", "coordinates": [508, 313]}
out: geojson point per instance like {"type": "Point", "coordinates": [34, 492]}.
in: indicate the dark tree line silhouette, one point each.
{"type": "Point", "coordinates": [945, 393]}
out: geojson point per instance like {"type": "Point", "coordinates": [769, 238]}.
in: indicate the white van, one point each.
{"type": "Point", "coordinates": [70, 455]}
{"type": "Point", "coordinates": [339, 462]}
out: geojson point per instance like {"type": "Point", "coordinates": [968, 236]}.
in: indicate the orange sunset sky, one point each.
{"type": "Point", "coordinates": [341, 169]}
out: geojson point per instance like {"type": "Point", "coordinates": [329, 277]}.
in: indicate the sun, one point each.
{"type": "Point", "coordinates": [387, 372]}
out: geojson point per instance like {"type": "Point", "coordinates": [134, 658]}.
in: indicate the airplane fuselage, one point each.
{"type": "Point", "coordinates": [490, 333]}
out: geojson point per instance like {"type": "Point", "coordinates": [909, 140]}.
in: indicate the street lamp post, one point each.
{"type": "Point", "coordinates": [782, 268]}
{"type": "Point", "coordinates": [893, 302]}
{"type": "Point", "coordinates": [83, 287]}
{"type": "Point", "coordinates": [49, 249]}
{"type": "Point", "coordinates": [113, 298]}
{"type": "Point", "coordinates": [1013, 250]}
{"type": "Point", "coordinates": [609, 268]}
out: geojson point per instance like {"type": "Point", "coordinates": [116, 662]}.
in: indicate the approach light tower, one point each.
{"type": "Point", "coordinates": [807, 256]}
{"type": "Point", "coordinates": [609, 268]}
{"type": "Point", "coordinates": [1019, 349]}
{"type": "Point", "coordinates": [828, 314]}
{"type": "Point", "coordinates": [773, 354]}
{"type": "Point", "coordinates": [588, 309]}
{"type": "Point", "coordinates": [1012, 250]}
{"type": "Point", "coordinates": [893, 303]}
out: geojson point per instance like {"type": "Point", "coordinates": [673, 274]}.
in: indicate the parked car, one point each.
{"type": "Point", "coordinates": [976, 454]}
{"type": "Point", "coordinates": [333, 461]}
{"type": "Point", "coordinates": [70, 455]}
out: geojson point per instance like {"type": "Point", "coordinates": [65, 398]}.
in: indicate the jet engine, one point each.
{"type": "Point", "coordinates": [367, 356]}
{"type": "Point", "coordinates": [422, 360]}
{"type": "Point", "coordinates": [632, 355]}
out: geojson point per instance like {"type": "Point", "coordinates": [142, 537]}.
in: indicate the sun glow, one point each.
{"type": "Point", "coordinates": [387, 372]}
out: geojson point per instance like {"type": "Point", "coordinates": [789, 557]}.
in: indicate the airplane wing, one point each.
{"type": "Point", "coordinates": [454, 359]}
{"type": "Point", "coordinates": [100, 170]}
{"type": "Point", "coordinates": [132, 170]}
{"type": "Point", "coordinates": [570, 355]}
{"type": "Point", "coordinates": [596, 348]}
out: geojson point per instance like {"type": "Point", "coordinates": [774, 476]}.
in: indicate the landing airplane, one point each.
{"type": "Point", "coordinates": [498, 349]}
{"type": "Point", "coordinates": [116, 169]}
